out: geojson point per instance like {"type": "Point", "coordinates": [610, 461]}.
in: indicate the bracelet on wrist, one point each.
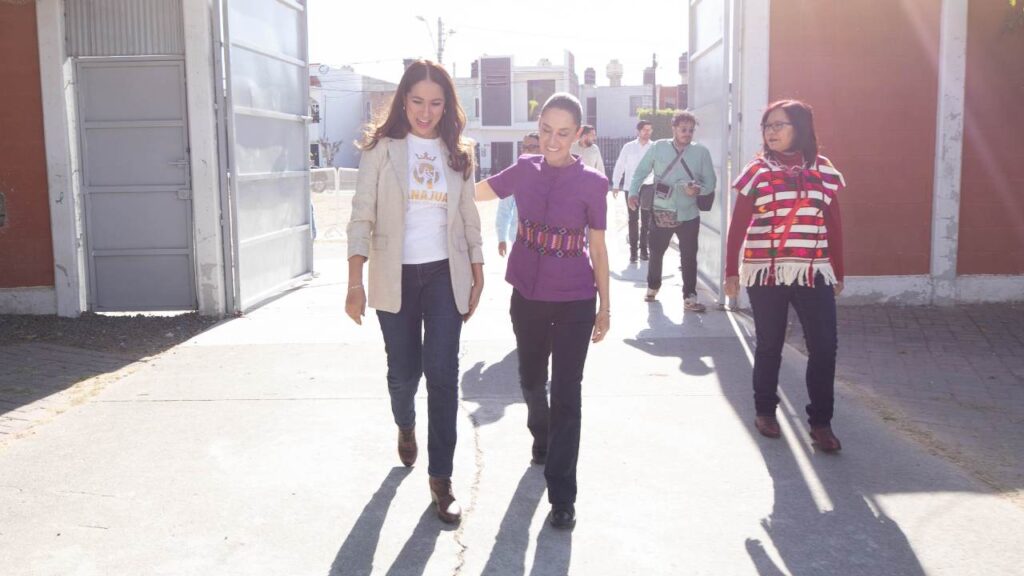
{"type": "Point", "coordinates": [351, 288]}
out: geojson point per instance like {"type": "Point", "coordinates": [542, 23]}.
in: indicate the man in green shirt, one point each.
{"type": "Point", "coordinates": [675, 203]}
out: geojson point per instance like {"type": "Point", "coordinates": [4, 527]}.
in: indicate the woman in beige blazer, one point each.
{"type": "Point", "coordinates": [415, 220]}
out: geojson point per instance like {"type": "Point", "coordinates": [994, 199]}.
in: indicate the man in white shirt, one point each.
{"type": "Point", "coordinates": [586, 148]}
{"type": "Point", "coordinates": [625, 166]}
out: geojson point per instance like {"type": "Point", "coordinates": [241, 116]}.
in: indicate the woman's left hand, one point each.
{"type": "Point", "coordinates": [601, 325]}
{"type": "Point", "coordinates": [474, 299]}
{"type": "Point", "coordinates": [837, 288]}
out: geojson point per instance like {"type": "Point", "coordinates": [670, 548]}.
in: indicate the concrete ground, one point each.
{"type": "Point", "coordinates": [266, 446]}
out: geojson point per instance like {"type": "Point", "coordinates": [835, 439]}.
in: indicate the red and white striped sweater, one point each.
{"type": "Point", "coordinates": [779, 247]}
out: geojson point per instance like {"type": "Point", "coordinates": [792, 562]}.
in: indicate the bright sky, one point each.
{"type": "Point", "coordinates": [374, 36]}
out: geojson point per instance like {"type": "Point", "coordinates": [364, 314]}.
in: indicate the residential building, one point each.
{"type": "Point", "coordinates": [502, 103]}
{"type": "Point", "coordinates": [347, 102]}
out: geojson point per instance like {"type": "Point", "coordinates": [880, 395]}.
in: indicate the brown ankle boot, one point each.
{"type": "Point", "coordinates": [448, 510]}
{"type": "Point", "coordinates": [407, 449]}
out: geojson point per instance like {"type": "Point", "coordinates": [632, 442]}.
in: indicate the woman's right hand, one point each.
{"type": "Point", "coordinates": [732, 286]}
{"type": "Point", "coordinates": [355, 304]}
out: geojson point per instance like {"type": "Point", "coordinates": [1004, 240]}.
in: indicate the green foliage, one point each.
{"type": "Point", "coordinates": [661, 121]}
{"type": "Point", "coordinates": [1015, 16]}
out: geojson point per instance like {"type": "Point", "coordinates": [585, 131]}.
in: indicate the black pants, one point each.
{"type": "Point", "coordinates": [639, 225]}
{"type": "Point", "coordinates": [816, 309]}
{"type": "Point", "coordinates": [561, 331]}
{"type": "Point", "coordinates": [686, 233]}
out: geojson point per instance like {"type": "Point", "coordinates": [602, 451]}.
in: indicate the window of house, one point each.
{"type": "Point", "coordinates": [637, 102]}
{"type": "Point", "coordinates": [537, 93]}
{"type": "Point", "coordinates": [314, 111]}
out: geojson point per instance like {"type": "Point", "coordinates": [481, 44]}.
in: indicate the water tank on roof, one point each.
{"type": "Point", "coordinates": [614, 72]}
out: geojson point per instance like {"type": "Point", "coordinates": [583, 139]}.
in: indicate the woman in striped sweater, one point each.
{"type": "Point", "coordinates": [787, 221]}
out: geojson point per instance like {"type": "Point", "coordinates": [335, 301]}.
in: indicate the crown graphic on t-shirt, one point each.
{"type": "Point", "coordinates": [426, 156]}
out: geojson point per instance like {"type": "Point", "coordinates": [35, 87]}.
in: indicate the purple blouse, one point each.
{"type": "Point", "coordinates": [550, 259]}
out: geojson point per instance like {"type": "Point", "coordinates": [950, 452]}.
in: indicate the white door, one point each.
{"type": "Point", "coordinates": [264, 66]}
{"type": "Point", "coordinates": [709, 99]}
{"type": "Point", "coordinates": [136, 183]}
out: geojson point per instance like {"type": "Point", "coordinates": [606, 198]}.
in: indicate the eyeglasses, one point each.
{"type": "Point", "coordinates": [775, 126]}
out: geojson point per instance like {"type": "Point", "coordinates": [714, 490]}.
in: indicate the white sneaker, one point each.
{"type": "Point", "coordinates": [690, 303]}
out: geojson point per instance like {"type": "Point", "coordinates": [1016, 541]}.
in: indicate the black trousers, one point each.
{"type": "Point", "coordinates": [686, 233]}
{"type": "Point", "coordinates": [639, 225]}
{"type": "Point", "coordinates": [561, 331]}
{"type": "Point", "coordinates": [816, 309]}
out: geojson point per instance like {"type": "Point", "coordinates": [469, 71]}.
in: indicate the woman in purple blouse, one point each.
{"type": "Point", "coordinates": [558, 269]}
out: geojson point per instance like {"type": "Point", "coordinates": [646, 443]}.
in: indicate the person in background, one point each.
{"type": "Point", "coordinates": [414, 218]}
{"type": "Point", "coordinates": [506, 220]}
{"type": "Point", "coordinates": [587, 149]}
{"type": "Point", "coordinates": [625, 166]}
{"type": "Point", "coordinates": [787, 221]}
{"type": "Point", "coordinates": [682, 170]}
{"type": "Point", "coordinates": [558, 269]}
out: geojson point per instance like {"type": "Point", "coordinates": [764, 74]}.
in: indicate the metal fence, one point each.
{"type": "Point", "coordinates": [610, 148]}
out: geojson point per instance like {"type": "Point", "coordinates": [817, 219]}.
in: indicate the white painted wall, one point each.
{"type": "Point", "coordinates": [614, 119]}
{"type": "Point", "coordinates": [205, 166]}
{"type": "Point", "coordinates": [949, 147]}
{"type": "Point", "coordinates": [66, 219]}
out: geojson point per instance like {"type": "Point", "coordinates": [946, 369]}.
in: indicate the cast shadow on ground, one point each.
{"type": "Point", "coordinates": [853, 537]}
{"type": "Point", "coordinates": [43, 355]}
{"type": "Point", "coordinates": [493, 389]}
{"type": "Point", "coordinates": [412, 559]}
{"type": "Point", "coordinates": [355, 557]}
{"type": "Point", "coordinates": [653, 341]}
{"type": "Point", "coordinates": [508, 556]}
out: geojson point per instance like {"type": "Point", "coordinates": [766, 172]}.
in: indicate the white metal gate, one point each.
{"type": "Point", "coordinates": [709, 77]}
{"type": "Point", "coordinates": [263, 61]}
{"type": "Point", "coordinates": [136, 183]}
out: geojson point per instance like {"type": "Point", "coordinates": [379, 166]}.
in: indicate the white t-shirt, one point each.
{"type": "Point", "coordinates": [426, 218]}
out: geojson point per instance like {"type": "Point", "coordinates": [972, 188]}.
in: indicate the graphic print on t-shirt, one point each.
{"type": "Point", "coordinates": [426, 217]}
{"type": "Point", "coordinates": [426, 175]}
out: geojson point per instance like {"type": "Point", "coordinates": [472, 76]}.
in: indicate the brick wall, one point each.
{"type": "Point", "coordinates": [26, 251]}
{"type": "Point", "coordinates": [869, 71]}
{"type": "Point", "coordinates": [992, 196]}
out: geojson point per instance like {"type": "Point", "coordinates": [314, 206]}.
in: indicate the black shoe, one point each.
{"type": "Point", "coordinates": [632, 258]}
{"type": "Point", "coordinates": [644, 256]}
{"type": "Point", "coordinates": [563, 517]}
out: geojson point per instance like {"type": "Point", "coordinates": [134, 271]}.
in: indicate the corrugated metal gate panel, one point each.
{"type": "Point", "coordinates": [268, 92]}
{"type": "Point", "coordinates": [124, 27]}
{"type": "Point", "coordinates": [134, 141]}
{"type": "Point", "coordinates": [709, 101]}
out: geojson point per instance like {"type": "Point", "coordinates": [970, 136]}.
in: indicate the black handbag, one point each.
{"type": "Point", "coordinates": [704, 201]}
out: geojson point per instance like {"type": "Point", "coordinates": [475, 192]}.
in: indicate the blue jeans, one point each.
{"type": "Point", "coordinates": [423, 339]}
{"type": "Point", "coordinates": [816, 309]}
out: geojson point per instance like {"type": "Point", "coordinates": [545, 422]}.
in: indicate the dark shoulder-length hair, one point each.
{"type": "Point", "coordinates": [395, 123]}
{"type": "Point", "coordinates": [801, 115]}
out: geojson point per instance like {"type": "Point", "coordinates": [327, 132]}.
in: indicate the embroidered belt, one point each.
{"type": "Point", "coordinates": [559, 242]}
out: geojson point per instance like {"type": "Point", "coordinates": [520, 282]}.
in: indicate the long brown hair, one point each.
{"type": "Point", "coordinates": [396, 124]}
{"type": "Point", "coordinates": [801, 115]}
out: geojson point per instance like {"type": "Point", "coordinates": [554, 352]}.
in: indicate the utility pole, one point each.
{"type": "Point", "coordinates": [654, 86]}
{"type": "Point", "coordinates": [442, 36]}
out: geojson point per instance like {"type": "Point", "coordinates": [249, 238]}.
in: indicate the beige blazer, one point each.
{"type": "Point", "coordinates": [377, 227]}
